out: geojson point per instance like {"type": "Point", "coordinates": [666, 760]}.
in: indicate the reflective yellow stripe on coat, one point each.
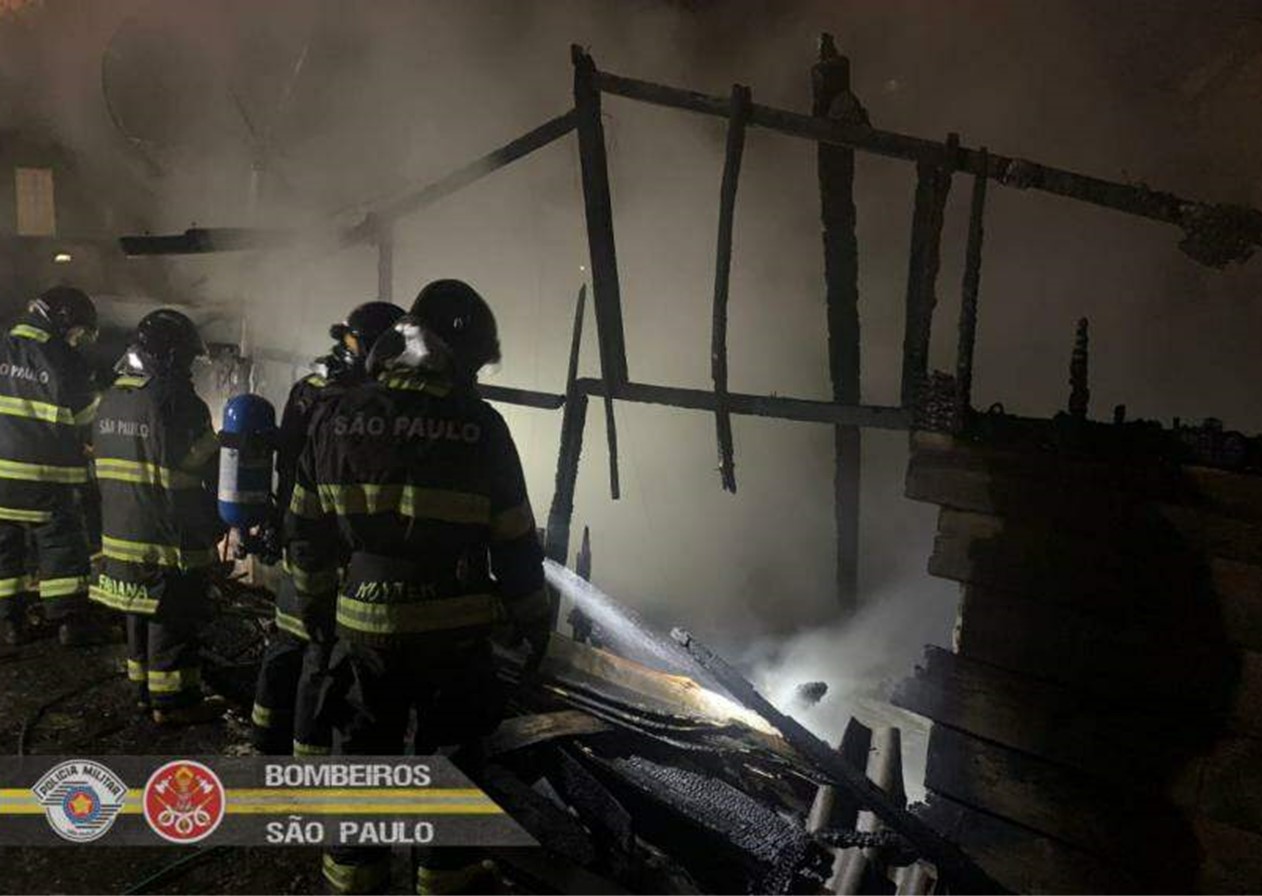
{"type": "Point", "coordinates": [466, 611]}
{"type": "Point", "coordinates": [406, 500]}
{"type": "Point", "coordinates": [159, 554]}
{"type": "Point", "coordinates": [142, 473]}
{"type": "Point", "coordinates": [12, 469]}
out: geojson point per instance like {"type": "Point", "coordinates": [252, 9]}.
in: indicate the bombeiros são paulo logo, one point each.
{"type": "Point", "coordinates": [81, 799]}
{"type": "Point", "coordinates": [184, 801]}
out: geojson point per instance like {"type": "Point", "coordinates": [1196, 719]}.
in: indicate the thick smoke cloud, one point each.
{"type": "Point", "coordinates": [351, 101]}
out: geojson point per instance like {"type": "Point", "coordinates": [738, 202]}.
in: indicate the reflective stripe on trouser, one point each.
{"type": "Point", "coordinates": [305, 749]}
{"type": "Point", "coordinates": [449, 870]}
{"type": "Point", "coordinates": [15, 585]}
{"type": "Point", "coordinates": [369, 875]}
{"type": "Point", "coordinates": [62, 562]}
{"type": "Point", "coordinates": [63, 587]}
{"type": "Point", "coordinates": [440, 614]}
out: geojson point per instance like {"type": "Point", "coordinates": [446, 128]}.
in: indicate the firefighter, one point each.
{"type": "Point", "coordinates": [418, 480]}
{"type": "Point", "coordinates": [155, 455]}
{"type": "Point", "coordinates": [46, 408]}
{"type": "Point", "coordinates": [282, 685]}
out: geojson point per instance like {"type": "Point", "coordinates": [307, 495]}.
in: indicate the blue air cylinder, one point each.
{"type": "Point", "coordinates": [246, 445]}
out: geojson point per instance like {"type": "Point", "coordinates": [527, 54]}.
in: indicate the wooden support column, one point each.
{"type": "Point", "coordinates": [573, 417]}
{"type": "Point", "coordinates": [597, 204]}
{"type": "Point", "coordinates": [385, 260]}
{"type": "Point", "coordinates": [832, 99]}
{"type": "Point", "coordinates": [722, 273]}
{"type": "Point", "coordinates": [969, 289]}
{"type": "Point", "coordinates": [933, 182]}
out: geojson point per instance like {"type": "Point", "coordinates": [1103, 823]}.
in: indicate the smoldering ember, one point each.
{"type": "Point", "coordinates": [672, 446]}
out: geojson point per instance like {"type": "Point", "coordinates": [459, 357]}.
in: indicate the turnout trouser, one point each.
{"type": "Point", "coordinates": [287, 693]}
{"type": "Point", "coordinates": [62, 564]}
{"type": "Point", "coordinates": [275, 693]}
{"type": "Point", "coordinates": [162, 647]}
{"type": "Point", "coordinates": [453, 689]}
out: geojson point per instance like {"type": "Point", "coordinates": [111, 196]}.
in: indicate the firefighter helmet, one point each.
{"type": "Point", "coordinates": [68, 311]}
{"type": "Point", "coordinates": [167, 340]}
{"type": "Point", "coordinates": [364, 325]}
{"type": "Point", "coordinates": [453, 311]}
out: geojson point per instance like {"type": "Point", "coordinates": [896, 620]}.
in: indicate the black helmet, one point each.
{"type": "Point", "coordinates": [453, 311]}
{"type": "Point", "coordinates": [364, 325]}
{"type": "Point", "coordinates": [167, 340]}
{"type": "Point", "coordinates": [69, 311]}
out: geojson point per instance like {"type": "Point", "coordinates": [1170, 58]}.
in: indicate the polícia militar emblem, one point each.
{"type": "Point", "coordinates": [81, 799]}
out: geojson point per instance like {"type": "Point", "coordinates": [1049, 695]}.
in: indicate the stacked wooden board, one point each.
{"type": "Point", "coordinates": [1098, 726]}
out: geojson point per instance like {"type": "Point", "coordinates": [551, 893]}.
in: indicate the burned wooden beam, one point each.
{"type": "Point", "coordinates": [202, 240]}
{"type": "Point", "coordinates": [598, 206]}
{"type": "Point", "coordinates": [385, 260]}
{"type": "Point", "coordinates": [968, 290]}
{"type": "Point", "coordinates": [873, 416]}
{"type": "Point", "coordinates": [1215, 234]}
{"type": "Point", "coordinates": [722, 273]}
{"type": "Point", "coordinates": [573, 420]}
{"type": "Point", "coordinates": [529, 398]}
{"type": "Point", "coordinates": [933, 182]}
{"type": "Point", "coordinates": [956, 869]}
{"type": "Point", "coordinates": [832, 100]}
{"type": "Point", "coordinates": [548, 132]}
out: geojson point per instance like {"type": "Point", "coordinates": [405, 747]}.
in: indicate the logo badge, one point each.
{"type": "Point", "coordinates": [184, 801]}
{"type": "Point", "coordinates": [81, 799]}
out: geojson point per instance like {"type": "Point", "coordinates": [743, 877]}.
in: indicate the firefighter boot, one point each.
{"type": "Point", "coordinates": [11, 633]}
{"type": "Point", "coordinates": [199, 713]}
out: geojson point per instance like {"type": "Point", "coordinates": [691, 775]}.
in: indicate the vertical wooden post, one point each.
{"type": "Point", "coordinates": [606, 295]}
{"type": "Point", "coordinates": [385, 261]}
{"type": "Point", "coordinates": [933, 182]}
{"type": "Point", "coordinates": [573, 419]}
{"type": "Point", "coordinates": [830, 83]}
{"type": "Point", "coordinates": [969, 289]}
{"type": "Point", "coordinates": [722, 274]}
{"type": "Point", "coordinates": [1079, 381]}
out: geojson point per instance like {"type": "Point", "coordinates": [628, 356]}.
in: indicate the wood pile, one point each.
{"type": "Point", "coordinates": [1098, 726]}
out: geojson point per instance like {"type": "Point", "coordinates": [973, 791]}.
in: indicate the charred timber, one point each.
{"type": "Point", "coordinates": [202, 240]}
{"type": "Point", "coordinates": [971, 284]}
{"type": "Point", "coordinates": [933, 183]}
{"type": "Point", "coordinates": [573, 420]}
{"type": "Point", "coordinates": [800, 409]}
{"type": "Point", "coordinates": [548, 132]}
{"type": "Point", "coordinates": [544, 401]}
{"type": "Point", "coordinates": [832, 99]}
{"type": "Point", "coordinates": [598, 208]}
{"type": "Point", "coordinates": [722, 274]}
{"type": "Point", "coordinates": [872, 416]}
{"type": "Point", "coordinates": [1217, 234]}
{"type": "Point", "coordinates": [956, 869]}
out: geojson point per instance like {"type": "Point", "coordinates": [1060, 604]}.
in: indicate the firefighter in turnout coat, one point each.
{"type": "Point", "coordinates": [283, 717]}
{"type": "Point", "coordinates": [46, 408]}
{"type": "Point", "coordinates": [155, 455]}
{"type": "Point", "coordinates": [417, 479]}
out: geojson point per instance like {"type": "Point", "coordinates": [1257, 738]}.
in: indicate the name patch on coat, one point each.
{"type": "Point", "coordinates": [430, 428]}
{"type": "Point", "coordinates": [110, 426]}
